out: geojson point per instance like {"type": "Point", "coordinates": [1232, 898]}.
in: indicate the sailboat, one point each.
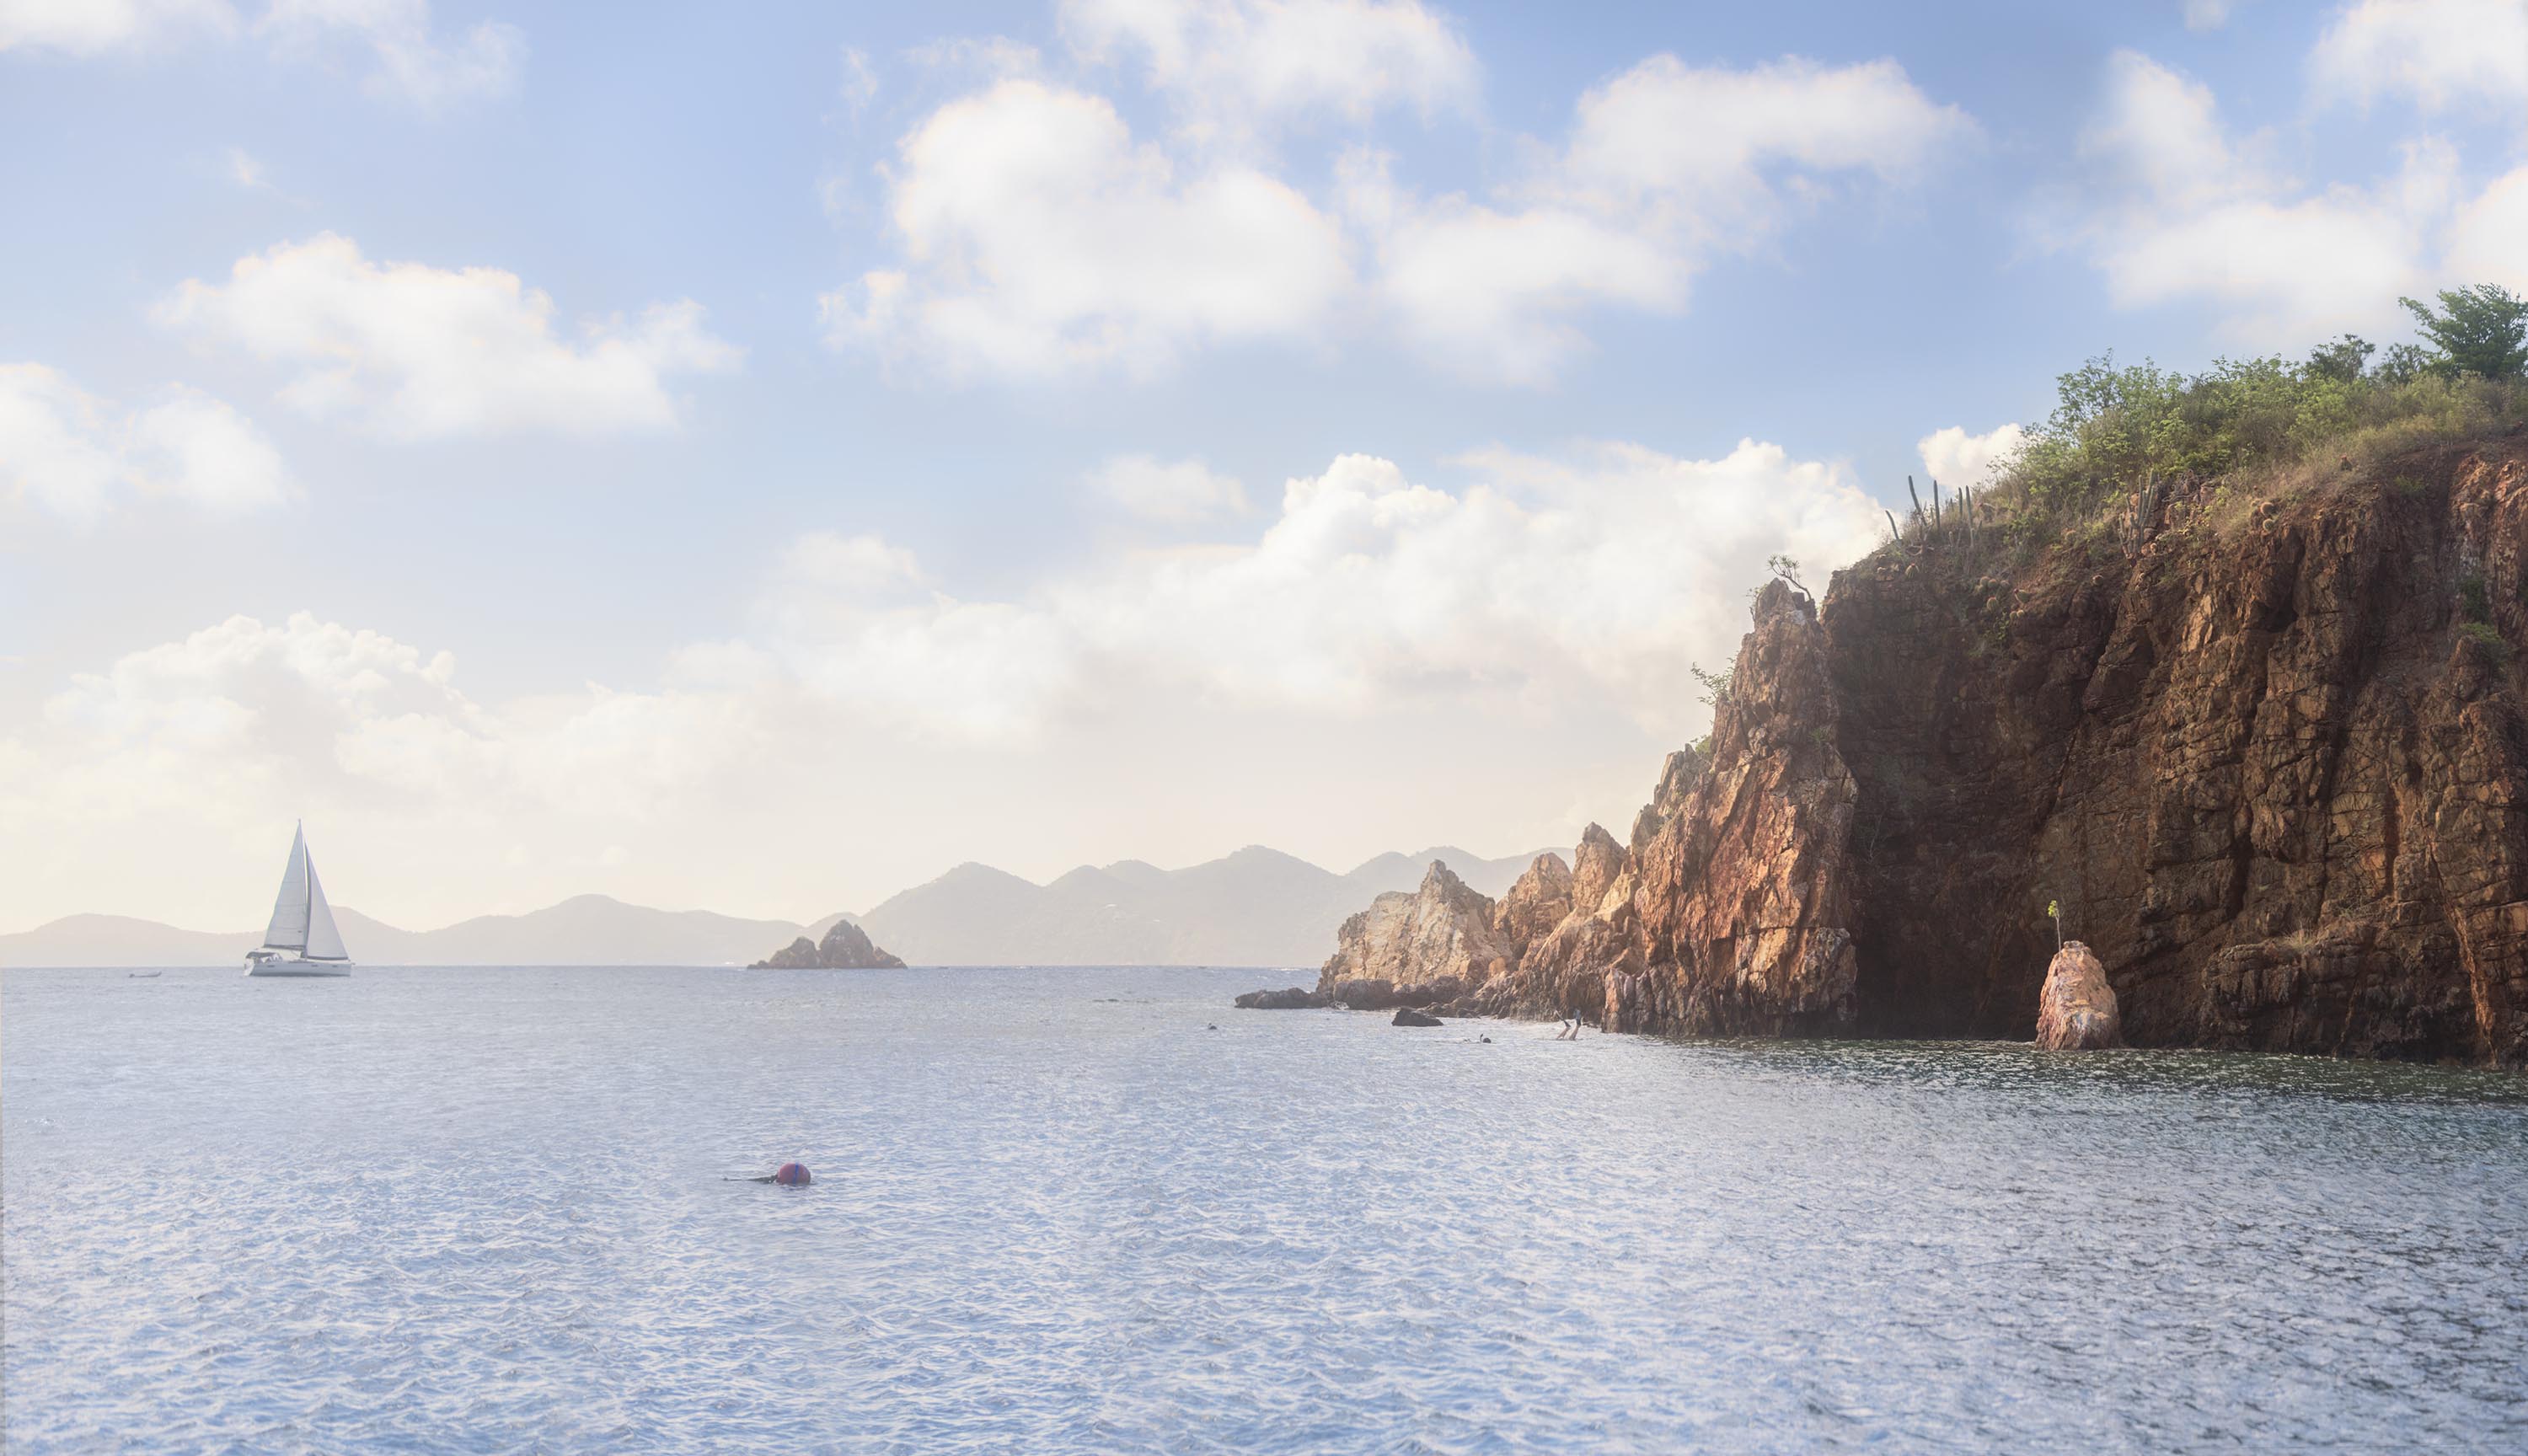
{"type": "Point", "coordinates": [302, 939]}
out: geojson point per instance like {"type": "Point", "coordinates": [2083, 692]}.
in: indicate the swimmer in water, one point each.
{"type": "Point", "coordinates": [788, 1176]}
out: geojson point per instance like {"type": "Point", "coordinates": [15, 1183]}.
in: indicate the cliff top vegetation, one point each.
{"type": "Point", "coordinates": [2117, 430]}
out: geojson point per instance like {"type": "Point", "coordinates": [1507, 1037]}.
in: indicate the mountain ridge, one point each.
{"type": "Point", "coordinates": [1253, 906]}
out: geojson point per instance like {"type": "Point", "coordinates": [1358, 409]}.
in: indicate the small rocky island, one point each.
{"type": "Point", "coordinates": [845, 947]}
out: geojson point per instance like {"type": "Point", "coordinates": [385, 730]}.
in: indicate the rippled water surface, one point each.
{"type": "Point", "coordinates": [483, 1209]}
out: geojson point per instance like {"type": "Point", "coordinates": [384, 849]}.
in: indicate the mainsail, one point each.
{"type": "Point", "coordinates": [288, 928]}
{"type": "Point", "coordinates": [301, 920]}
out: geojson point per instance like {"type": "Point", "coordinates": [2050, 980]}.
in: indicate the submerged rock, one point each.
{"type": "Point", "coordinates": [1412, 1017]}
{"type": "Point", "coordinates": [2076, 1011]}
{"type": "Point", "coordinates": [1293, 999]}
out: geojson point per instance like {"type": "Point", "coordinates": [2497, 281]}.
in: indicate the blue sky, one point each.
{"type": "Point", "coordinates": [760, 456]}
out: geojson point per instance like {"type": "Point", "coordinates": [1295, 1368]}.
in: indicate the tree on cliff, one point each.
{"type": "Point", "coordinates": [2481, 329]}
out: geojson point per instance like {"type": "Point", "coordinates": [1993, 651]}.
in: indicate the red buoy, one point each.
{"type": "Point", "coordinates": [791, 1175]}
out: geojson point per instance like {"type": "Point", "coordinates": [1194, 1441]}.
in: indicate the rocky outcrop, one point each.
{"type": "Point", "coordinates": [1727, 916]}
{"type": "Point", "coordinates": [1421, 948]}
{"type": "Point", "coordinates": [1675, 784]}
{"type": "Point", "coordinates": [2077, 1010]}
{"type": "Point", "coordinates": [1539, 901]}
{"type": "Point", "coordinates": [1601, 864]}
{"type": "Point", "coordinates": [1416, 1018]}
{"type": "Point", "coordinates": [1294, 999]}
{"type": "Point", "coordinates": [1746, 894]}
{"type": "Point", "coordinates": [845, 947]}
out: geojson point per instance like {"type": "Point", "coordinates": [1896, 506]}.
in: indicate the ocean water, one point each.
{"type": "Point", "coordinates": [483, 1209]}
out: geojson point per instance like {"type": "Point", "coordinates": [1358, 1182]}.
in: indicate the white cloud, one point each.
{"type": "Point", "coordinates": [218, 721]}
{"type": "Point", "coordinates": [2441, 54]}
{"type": "Point", "coordinates": [1595, 580]}
{"type": "Point", "coordinates": [194, 446]}
{"type": "Point", "coordinates": [2207, 15]}
{"type": "Point", "coordinates": [76, 456]}
{"type": "Point", "coordinates": [245, 171]}
{"type": "Point", "coordinates": [859, 82]}
{"type": "Point", "coordinates": [1039, 236]}
{"type": "Point", "coordinates": [1242, 63]}
{"type": "Point", "coordinates": [418, 353]}
{"type": "Point", "coordinates": [1959, 460]}
{"type": "Point", "coordinates": [1173, 491]}
{"type": "Point", "coordinates": [408, 61]}
{"type": "Point", "coordinates": [2182, 212]}
{"type": "Point", "coordinates": [90, 28]}
{"type": "Point", "coordinates": [2489, 238]}
{"type": "Point", "coordinates": [870, 728]}
{"type": "Point", "coordinates": [1667, 166]}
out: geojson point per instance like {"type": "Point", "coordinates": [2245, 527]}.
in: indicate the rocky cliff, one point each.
{"type": "Point", "coordinates": [2263, 742]}
{"type": "Point", "coordinates": [2267, 750]}
{"type": "Point", "coordinates": [845, 947]}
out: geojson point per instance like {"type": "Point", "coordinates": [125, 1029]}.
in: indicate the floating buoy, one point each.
{"type": "Point", "coordinates": [791, 1175]}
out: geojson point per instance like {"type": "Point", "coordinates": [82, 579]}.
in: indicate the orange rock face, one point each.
{"type": "Point", "coordinates": [1745, 895]}
{"type": "Point", "coordinates": [2077, 1010]}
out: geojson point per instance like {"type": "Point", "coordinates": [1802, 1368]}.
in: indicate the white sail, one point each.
{"type": "Point", "coordinates": [288, 928]}
{"type": "Point", "coordinates": [323, 942]}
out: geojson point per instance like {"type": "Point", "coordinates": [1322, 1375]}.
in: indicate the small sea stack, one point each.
{"type": "Point", "coordinates": [1408, 1017]}
{"type": "Point", "coordinates": [2076, 1011]}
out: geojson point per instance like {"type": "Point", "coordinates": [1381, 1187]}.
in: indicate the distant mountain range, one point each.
{"type": "Point", "coordinates": [1257, 907]}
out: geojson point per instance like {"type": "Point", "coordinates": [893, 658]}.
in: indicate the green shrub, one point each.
{"type": "Point", "coordinates": [2116, 428]}
{"type": "Point", "coordinates": [2471, 599]}
{"type": "Point", "coordinates": [2487, 633]}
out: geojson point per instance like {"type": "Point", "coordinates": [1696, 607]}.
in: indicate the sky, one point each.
{"type": "Point", "coordinates": [756, 457]}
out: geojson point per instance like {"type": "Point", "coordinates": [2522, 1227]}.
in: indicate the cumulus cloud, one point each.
{"type": "Point", "coordinates": [77, 456]}
{"type": "Point", "coordinates": [1040, 237]}
{"type": "Point", "coordinates": [1241, 63]}
{"type": "Point", "coordinates": [1597, 578]}
{"type": "Point", "coordinates": [2440, 54]}
{"type": "Point", "coordinates": [223, 715]}
{"type": "Point", "coordinates": [419, 352]}
{"type": "Point", "coordinates": [1170, 491]}
{"type": "Point", "coordinates": [90, 28]}
{"type": "Point", "coordinates": [1956, 459]}
{"type": "Point", "coordinates": [1667, 166]}
{"type": "Point", "coordinates": [2181, 211]}
{"type": "Point", "coordinates": [2489, 238]}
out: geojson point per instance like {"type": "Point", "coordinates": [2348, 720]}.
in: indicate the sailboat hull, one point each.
{"type": "Point", "coordinates": [264, 962]}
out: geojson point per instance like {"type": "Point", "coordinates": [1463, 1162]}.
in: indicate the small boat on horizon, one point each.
{"type": "Point", "coordinates": [302, 939]}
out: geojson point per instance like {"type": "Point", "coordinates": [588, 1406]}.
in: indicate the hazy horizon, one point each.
{"type": "Point", "coordinates": [756, 459]}
{"type": "Point", "coordinates": [242, 928]}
